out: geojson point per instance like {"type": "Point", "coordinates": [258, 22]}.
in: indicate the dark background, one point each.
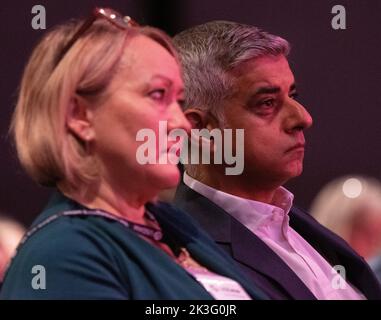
{"type": "Point", "coordinates": [338, 74]}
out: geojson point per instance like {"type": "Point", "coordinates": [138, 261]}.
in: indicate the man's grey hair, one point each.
{"type": "Point", "coordinates": [209, 51]}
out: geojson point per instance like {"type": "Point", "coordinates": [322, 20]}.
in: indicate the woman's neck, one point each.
{"type": "Point", "coordinates": [118, 206]}
{"type": "Point", "coordinates": [127, 204]}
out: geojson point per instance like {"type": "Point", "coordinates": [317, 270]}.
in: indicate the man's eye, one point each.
{"type": "Point", "coordinates": [157, 94]}
{"type": "Point", "coordinates": [268, 103]}
{"type": "Point", "coordinates": [294, 95]}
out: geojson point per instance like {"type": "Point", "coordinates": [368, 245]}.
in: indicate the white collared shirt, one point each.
{"type": "Point", "coordinates": [270, 223]}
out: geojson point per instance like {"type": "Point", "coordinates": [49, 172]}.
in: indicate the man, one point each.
{"type": "Point", "coordinates": [237, 77]}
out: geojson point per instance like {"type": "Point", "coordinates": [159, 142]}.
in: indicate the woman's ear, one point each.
{"type": "Point", "coordinates": [78, 120]}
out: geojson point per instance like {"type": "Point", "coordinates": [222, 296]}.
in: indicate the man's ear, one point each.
{"type": "Point", "coordinates": [78, 120]}
{"type": "Point", "coordinates": [200, 119]}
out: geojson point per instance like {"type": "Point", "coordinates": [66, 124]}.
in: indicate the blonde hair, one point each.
{"type": "Point", "coordinates": [46, 149]}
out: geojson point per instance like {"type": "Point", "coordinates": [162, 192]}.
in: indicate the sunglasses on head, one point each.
{"type": "Point", "coordinates": [112, 16]}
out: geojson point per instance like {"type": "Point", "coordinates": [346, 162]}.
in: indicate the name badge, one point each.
{"type": "Point", "coordinates": [220, 287]}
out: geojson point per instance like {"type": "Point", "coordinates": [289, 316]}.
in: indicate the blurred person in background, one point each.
{"type": "Point", "coordinates": [11, 233]}
{"type": "Point", "coordinates": [350, 206]}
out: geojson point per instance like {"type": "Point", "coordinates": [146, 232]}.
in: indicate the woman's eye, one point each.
{"type": "Point", "coordinates": [157, 94]}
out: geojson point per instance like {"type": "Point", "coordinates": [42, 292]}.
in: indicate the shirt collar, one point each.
{"type": "Point", "coordinates": [251, 213]}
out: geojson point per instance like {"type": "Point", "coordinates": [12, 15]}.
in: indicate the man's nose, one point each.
{"type": "Point", "coordinates": [298, 117]}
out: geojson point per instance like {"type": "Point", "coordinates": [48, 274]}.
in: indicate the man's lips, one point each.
{"type": "Point", "coordinates": [296, 147]}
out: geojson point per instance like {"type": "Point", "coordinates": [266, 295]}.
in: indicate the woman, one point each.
{"type": "Point", "coordinates": [86, 92]}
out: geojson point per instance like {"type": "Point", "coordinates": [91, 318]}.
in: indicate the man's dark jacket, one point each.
{"type": "Point", "coordinates": [264, 266]}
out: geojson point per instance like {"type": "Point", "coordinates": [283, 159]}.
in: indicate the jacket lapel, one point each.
{"type": "Point", "coordinates": [249, 250]}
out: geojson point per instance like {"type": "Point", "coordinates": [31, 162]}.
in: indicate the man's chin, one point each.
{"type": "Point", "coordinates": [295, 169]}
